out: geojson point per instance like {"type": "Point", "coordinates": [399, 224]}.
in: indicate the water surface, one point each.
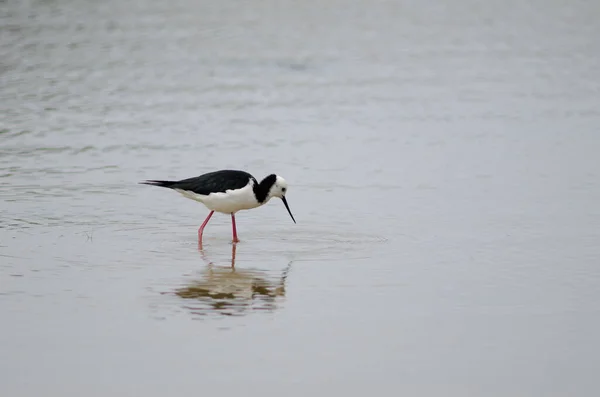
{"type": "Point", "coordinates": [443, 169]}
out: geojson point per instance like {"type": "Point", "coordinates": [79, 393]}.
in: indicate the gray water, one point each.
{"type": "Point", "coordinates": [443, 167]}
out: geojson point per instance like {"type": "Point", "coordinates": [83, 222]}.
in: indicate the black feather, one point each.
{"type": "Point", "coordinates": [212, 182]}
{"type": "Point", "coordinates": [262, 190]}
{"type": "Point", "coordinates": [158, 183]}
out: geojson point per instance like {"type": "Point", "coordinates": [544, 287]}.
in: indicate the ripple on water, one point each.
{"type": "Point", "coordinates": [309, 244]}
{"type": "Point", "coordinates": [223, 287]}
{"type": "Point", "coordinates": [232, 291]}
{"type": "Point", "coordinates": [229, 284]}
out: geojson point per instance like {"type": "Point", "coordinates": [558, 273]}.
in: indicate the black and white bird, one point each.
{"type": "Point", "coordinates": [227, 192]}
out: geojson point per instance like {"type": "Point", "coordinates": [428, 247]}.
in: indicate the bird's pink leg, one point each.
{"type": "Point", "coordinates": [201, 230]}
{"type": "Point", "coordinates": [235, 237]}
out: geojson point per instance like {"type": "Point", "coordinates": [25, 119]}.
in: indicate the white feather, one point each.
{"type": "Point", "coordinates": [230, 201]}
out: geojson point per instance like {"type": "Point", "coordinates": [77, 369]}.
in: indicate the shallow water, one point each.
{"type": "Point", "coordinates": [443, 169]}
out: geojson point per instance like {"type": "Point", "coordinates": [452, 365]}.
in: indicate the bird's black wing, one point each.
{"type": "Point", "coordinates": [214, 182]}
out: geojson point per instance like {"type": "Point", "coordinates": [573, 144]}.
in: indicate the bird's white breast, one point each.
{"type": "Point", "coordinates": [226, 202]}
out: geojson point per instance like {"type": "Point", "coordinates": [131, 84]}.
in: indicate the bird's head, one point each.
{"type": "Point", "coordinates": [279, 188]}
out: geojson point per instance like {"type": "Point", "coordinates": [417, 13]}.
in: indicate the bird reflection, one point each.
{"type": "Point", "coordinates": [226, 290]}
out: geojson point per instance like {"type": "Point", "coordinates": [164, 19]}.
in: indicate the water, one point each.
{"type": "Point", "coordinates": [443, 170]}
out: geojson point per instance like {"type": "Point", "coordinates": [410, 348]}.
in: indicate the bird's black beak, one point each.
{"type": "Point", "coordinates": [288, 208]}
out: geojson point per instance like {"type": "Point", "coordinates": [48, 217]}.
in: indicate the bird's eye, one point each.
{"type": "Point", "coordinates": [283, 190]}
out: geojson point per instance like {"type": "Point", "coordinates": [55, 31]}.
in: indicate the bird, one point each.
{"type": "Point", "coordinates": [227, 192]}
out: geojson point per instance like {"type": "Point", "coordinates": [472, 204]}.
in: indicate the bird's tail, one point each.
{"type": "Point", "coordinates": [159, 183]}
